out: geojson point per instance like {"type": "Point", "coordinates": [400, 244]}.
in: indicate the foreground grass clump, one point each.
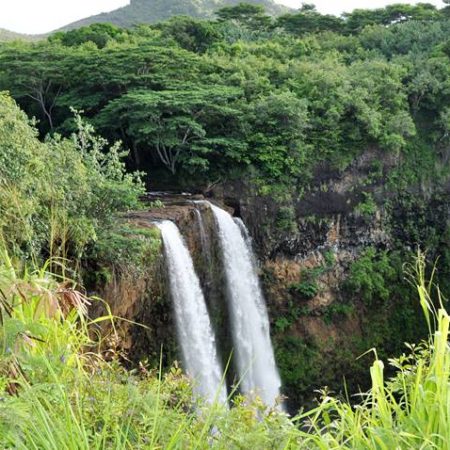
{"type": "Point", "coordinates": [60, 390]}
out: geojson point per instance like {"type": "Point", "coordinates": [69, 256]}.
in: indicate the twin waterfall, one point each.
{"type": "Point", "coordinates": [252, 348]}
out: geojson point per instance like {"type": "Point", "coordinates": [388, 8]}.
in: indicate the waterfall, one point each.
{"type": "Point", "coordinates": [248, 314]}
{"type": "Point", "coordinates": [194, 328]}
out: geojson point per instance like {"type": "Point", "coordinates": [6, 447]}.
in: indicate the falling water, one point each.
{"type": "Point", "coordinates": [248, 240]}
{"type": "Point", "coordinates": [249, 320]}
{"type": "Point", "coordinates": [204, 238]}
{"type": "Point", "coordinates": [194, 328]}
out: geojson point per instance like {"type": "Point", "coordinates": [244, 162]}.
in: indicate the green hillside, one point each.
{"type": "Point", "coordinates": [151, 11]}
{"type": "Point", "coordinates": [6, 35]}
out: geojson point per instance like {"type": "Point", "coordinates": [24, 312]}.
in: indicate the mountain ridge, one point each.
{"type": "Point", "coordinates": [151, 11]}
{"type": "Point", "coordinates": [7, 35]}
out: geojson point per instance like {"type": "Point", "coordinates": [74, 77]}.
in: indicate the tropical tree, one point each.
{"type": "Point", "coordinates": [174, 125]}
{"type": "Point", "coordinates": [34, 73]}
{"type": "Point", "coordinates": [191, 34]}
{"type": "Point", "coordinates": [308, 20]}
{"type": "Point", "coordinates": [99, 34]}
{"type": "Point", "coordinates": [276, 127]}
{"type": "Point", "coordinates": [248, 15]}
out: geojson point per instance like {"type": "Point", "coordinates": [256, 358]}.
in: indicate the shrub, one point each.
{"type": "Point", "coordinates": [56, 196]}
{"type": "Point", "coordinates": [307, 289]}
{"type": "Point", "coordinates": [372, 276]}
{"type": "Point", "coordinates": [367, 207]}
{"type": "Point", "coordinates": [285, 219]}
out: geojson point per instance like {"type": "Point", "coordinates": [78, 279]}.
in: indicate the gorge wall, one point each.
{"type": "Point", "coordinates": [332, 268]}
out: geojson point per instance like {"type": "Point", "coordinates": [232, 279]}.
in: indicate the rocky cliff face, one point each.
{"type": "Point", "coordinates": [346, 226]}
{"type": "Point", "coordinates": [324, 311]}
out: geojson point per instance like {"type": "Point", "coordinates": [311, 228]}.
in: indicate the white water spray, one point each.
{"type": "Point", "coordinates": [248, 314]}
{"type": "Point", "coordinates": [194, 328]}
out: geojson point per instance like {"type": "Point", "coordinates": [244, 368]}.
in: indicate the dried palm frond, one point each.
{"type": "Point", "coordinates": [70, 298]}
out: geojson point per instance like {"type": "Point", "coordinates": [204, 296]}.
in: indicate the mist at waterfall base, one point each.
{"type": "Point", "coordinates": [195, 332]}
{"type": "Point", "coordinates": [248, 314]}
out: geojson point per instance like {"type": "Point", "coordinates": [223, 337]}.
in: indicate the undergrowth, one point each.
{"type": "Point", "coordinates": [62, 387]}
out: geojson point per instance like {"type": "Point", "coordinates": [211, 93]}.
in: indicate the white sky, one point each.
{"type": "Point", "coordinates": [41, 16]}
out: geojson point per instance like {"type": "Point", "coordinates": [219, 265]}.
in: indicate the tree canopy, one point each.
{"type": "Point", "coordinates": [246, 93]}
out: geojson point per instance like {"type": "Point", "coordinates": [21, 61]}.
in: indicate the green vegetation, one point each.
{"type": "Point", "coordinates": [367, 207]}
{"type": "Point", "coordinates": [308, 286]}
{"type": "Point", "coordinates": [62, 389]}
{"type": "Point", "coordinates": [62, 198]}
{"type": "Point", "coordinates": [372, 276]}
{"type": "Point", "coordinates": [246, 95]}
{"type": "Point", "coordinates": [275, 104]}
{"type": "Point", "coordinates": [336, 311]}
{"type": "Point", "coordinates": [285, 219]}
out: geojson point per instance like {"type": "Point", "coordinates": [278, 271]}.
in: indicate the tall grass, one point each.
{"type": "Point", "coordinates": [59, 391]}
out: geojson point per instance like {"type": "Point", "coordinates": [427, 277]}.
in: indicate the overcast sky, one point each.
{"type": "Point", "coordinates": [41, 16]}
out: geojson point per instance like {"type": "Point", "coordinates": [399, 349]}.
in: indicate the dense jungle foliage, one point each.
{"type": "Point", "coordinates": [245, 96]}
{"type": "Point", "coordinates": [62, 198]}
